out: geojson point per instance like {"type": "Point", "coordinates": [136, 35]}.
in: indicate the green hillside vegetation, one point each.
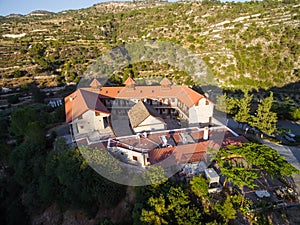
{"type": "Point", "coordinates": [252, 43]}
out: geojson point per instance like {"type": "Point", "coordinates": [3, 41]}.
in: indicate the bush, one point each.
{"type": "Point", "coordinates": [19, 73]}
{"type": "Point", "coordinates": [296, 114]}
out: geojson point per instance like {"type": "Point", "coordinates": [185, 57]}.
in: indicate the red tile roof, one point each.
{"type": "Point", "coordinates": [194, 152]}
{"type": "Point", "coordinates": [181, 153]}
{"type": "Point", "coordinates": [129, 81]}
{"type": "Point", "coordinates": [81, 101]}
{"type": "Point", "coordinates": [185, 94]}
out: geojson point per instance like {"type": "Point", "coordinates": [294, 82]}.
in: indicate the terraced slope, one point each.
{"type": "Point", "coordinates": [254, 44]}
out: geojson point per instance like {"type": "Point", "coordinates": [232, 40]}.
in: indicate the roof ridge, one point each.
{"type": "Point", "coordinates": [165, 82]}
{"type": "Point", "coordinates": [95, 84]}
{"type": "Point", "coordinates": [129, 81]}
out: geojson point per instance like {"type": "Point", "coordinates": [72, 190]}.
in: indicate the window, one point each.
{"type": "Point", "coordinates": [80, 117]}
{"type": "Point", "coordinates": [206, 102]}
{"type": "Point", "coordinates": [148, 160]}
{"type": "Point", "coordinates": [134, 158]}
{"type": "Point", "coordinates": [97, 113]}
{"type": "Point", "coordinates": [152, 91]}
{"type": "Point", "coordinates": [118, 92]}
{"type": "Point", "coordinates": [106, 92]}
{"type": "Point", "coordinates": [81, 127]}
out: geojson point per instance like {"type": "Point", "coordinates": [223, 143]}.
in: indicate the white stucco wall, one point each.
{"type": "Point", "coordinates": [129, 154]}
{"type": "Point", "coordinates": [89, 122]}
{"type": "Point", "coordinates": [201, 113]}
{"type": "Point", "coordinates": [150, 124]}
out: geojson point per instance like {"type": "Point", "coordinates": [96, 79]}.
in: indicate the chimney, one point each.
{"type": "Point", "coordinates": [205, 134]}
{"type": "Point", "coordinates": [145, 134]}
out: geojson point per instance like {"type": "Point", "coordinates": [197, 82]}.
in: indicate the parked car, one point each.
{"type": "Point", "coordinates": [289, 138]}
{"type": "Point", "coordinates": [291, 135]}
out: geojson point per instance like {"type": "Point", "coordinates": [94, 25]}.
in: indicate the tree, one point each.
{"type": "Point", "coordinates": [38, 53]}
{"type": "Point", "coordinates": [61, 145]}
{"type": "Point", "coordinates": [284, 109]}
{"type": "Point", "coordinates": [27, 160]}
{"type": "Point", "coordinates": [30, 123]}
{"type": "Point", "coordinates": [172, 206]}
{"type": "Point", "coordinates": [226, 210]}
{"type": "Point", "coordinates": [257, 155]}
{"type": "Point", "coordinates": [199, 186]}
{"type": "Point", "coordinates": [227, 104]}
{"type": "Point", "coordinates": [37, 94]}
{"type": "Point", "coordinates": [37, 50]}
{"type": "Point", "coordinates": [243, 115]}
{"type": "Point", "coordinates": [265, 120]}
{"type": "Point", "coordinates": [238, 164]}
{"type": "Point", "coordinates": [20, 120]}
{"type": "Point", "coordinates": [35, 133]}
{"type": "Point", "coordinates": [18, 73]}
{"type": "Point", "coordinates": [70, 182]}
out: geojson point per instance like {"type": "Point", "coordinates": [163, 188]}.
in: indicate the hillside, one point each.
{"type": "Point", "coordinates": [254, 44]}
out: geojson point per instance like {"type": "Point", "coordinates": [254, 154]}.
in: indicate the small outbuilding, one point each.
{"type": "Point", "coordinates": [143, 117]}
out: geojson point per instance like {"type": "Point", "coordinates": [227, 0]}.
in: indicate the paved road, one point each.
{"type": "Point", "coordinates": [292, 154]}
{"type": "Point", "coordinates": [290, 125]}
{"type": "Point", "coordinates": [296, 152]}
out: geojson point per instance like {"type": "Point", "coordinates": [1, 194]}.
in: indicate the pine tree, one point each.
{"type": "Point", "coordinates": [265, 120]}
{"type": "Point", "coordinates": [243, 115]}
